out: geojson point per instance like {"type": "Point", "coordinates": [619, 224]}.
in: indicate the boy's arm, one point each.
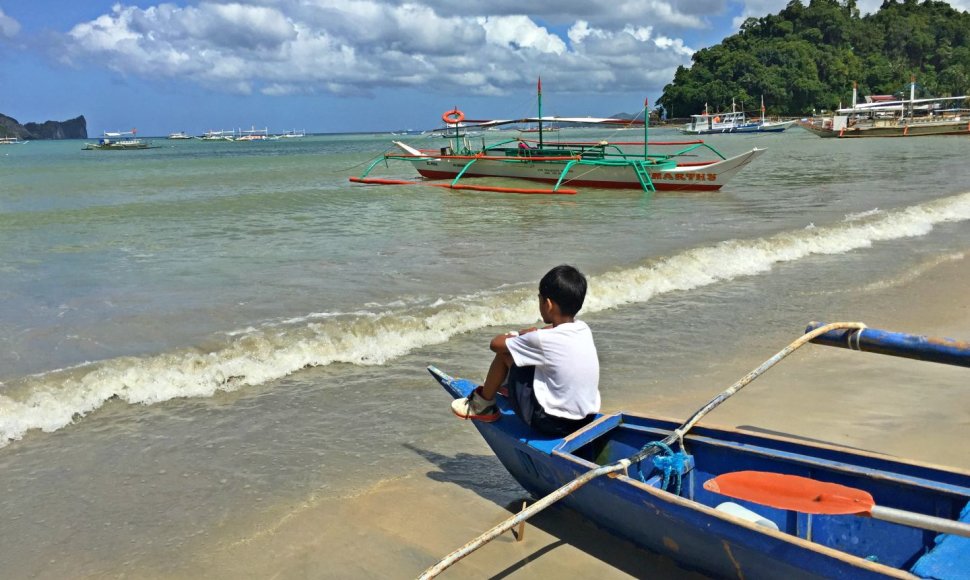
{"type": "Point", "coordinates": [498, 343]}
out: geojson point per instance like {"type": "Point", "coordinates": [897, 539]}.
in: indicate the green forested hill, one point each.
{"type": "Point", "coordinates": [807, 57]}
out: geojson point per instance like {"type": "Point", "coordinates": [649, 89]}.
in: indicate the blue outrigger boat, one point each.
{"type": "Point", "coordinates": [655, 495]}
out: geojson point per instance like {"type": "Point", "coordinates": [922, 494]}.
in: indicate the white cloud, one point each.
{"type": "Point", "coordinates": [520, 32]}
{"type": "Point", "coordinates": [8, 26]}
{"type": "Point", "coordinates": [281, 47]}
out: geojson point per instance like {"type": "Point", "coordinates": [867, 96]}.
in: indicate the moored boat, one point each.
{"type": "Point", "coordinates": [733, 122]}
{"type": "Point", "coordinates": [885, 116]}
{"type": "Point", "coordinates": [221, 135]}
{"type": "Point", "coordinates": [658, 493]}
{"type": "Point", "coordinates": [118, 141]}
{"type": "Point", "coordinates": [579, 164]}
{"type": "Point", "coordinates": [253, 134]}
{"type": "Point", "coordinates": [598, 164]}
{"type": "Point", "coordinates": [179, 135]}
{"type": "Point", "coordinates": [293, 134]}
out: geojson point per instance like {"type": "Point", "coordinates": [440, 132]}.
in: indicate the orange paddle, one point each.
{"type": "Point", "coordinates": [801, 494]}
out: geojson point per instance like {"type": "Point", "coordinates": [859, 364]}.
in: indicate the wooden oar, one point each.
{"type": "Point", "coordinates": [622, 464]}
{"type": "Point", "coordinates": [801, 494]}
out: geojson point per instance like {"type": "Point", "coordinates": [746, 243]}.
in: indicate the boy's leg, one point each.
{"type": "Point", "coordinates": [480, 404]}
{"type": "Point", "coordinates": [497, 371]}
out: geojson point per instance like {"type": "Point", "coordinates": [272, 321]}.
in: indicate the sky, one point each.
{"type": "Point", "coordinates": [331, 66]}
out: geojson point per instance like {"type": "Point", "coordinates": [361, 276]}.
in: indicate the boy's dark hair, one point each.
{"type": "Point", "coordinates": [566, 286]}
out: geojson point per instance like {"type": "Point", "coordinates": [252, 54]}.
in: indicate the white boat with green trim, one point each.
{"type": "Point", "coordinates": [689, 166]}
{"type": "Point", "coordinates": [118, 141]}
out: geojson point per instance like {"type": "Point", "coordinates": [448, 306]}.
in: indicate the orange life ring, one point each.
{"type": "Point", "coordinates": [717, 119]}
{"type": "Point", "coordinates": [453, 117]}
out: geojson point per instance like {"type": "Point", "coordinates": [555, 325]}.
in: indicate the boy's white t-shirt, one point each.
{"type": "Point", "coordinates": [567, 368]}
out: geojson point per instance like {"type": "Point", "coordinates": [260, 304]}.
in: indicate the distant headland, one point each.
{"type": "Point", "coordinates": [76, 128]}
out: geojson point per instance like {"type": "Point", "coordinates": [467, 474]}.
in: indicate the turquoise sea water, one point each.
{"type": "Point", "coordinates": [195, 335]}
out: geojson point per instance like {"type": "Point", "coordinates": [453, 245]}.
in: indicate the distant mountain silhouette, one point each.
{"type": "Point", "coordinates": [76, 128]}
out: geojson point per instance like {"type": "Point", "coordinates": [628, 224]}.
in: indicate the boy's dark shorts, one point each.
{"type": "Point", "coordinates": [523, 398]}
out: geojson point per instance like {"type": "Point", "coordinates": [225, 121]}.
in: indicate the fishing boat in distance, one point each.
{"type": "Point", "coordinates": [885, 116]}
{"type": "Point", "coordinates": [253, 134]}
{"type": "Point", "coordinates": [179, 135]}
{"type": "Point", "coordinates": [294, 134]}
{"type": "Point", "coordinates": [118, 141]}
{"type": "Point", "coordinates": [597, 164]}
{"type": "Point", "coordinates": [674, 488]}
{"type": "Point", "coordinates": [220, 135]}
{"type": "Point", "coordinates": [11, 141]}
{"type": "Point", "coordinates": [732, 122]}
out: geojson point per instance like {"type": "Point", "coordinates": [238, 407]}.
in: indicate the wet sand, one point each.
{"type": "Point", "coordinates": [397, 528]}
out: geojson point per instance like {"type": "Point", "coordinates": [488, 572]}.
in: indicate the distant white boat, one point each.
{"type": "Point", "coordinates": [179, 135]}
{"type": "Point", "coordinates": [219, 136]}
{"type": "Point", "coordinates": [253, 134]}
{"type": "Point", "coordinates": [290, 135]}
{"type": "Point", "coordinates": [118, 141]}
{"type": "Point", "coordinates": [11, 141]}
{"type": "Point", "coordinates": [733, 122]}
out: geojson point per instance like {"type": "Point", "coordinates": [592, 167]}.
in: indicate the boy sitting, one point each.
{"type": "Point", "coordinates": [552, 373]}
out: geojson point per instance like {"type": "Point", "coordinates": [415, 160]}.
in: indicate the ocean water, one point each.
{"type": "Point", "coordinates": [197, 336]}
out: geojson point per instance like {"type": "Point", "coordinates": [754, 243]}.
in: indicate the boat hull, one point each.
{"type": "Point", "coordinates": [685, 177]}
{"type": "Point", "coordinates": [893, 130]}
{"type": "Point", "coordinates": [687, 527]}
{"type": "Point", "coordinates": [747, 128]}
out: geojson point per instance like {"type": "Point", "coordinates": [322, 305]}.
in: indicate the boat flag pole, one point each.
{"type": "Point", "coordinates": [622, 464]}
{"type": "Point", "coordinates": [539, 93]}
{"type": "Point", "coordinates": [646, 126]}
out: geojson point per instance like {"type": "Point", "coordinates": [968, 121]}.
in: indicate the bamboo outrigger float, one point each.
{"type": "Point", "coordinates": [564, 165]}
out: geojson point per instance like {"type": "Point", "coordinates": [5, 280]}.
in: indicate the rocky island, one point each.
{"type": "Point", "coordinates": [76, 128]}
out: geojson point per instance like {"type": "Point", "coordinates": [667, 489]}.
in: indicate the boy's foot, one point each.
{"type": "Point", "coordinates": [476, 408]}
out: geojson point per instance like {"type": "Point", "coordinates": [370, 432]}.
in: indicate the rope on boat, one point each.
{"type": "Point", "coordinates": [671, 464]}
{"type": "Point", "coordinates": [648, 451]}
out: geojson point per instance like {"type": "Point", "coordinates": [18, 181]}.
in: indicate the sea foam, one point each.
{"type": "Point", "coordinates": [252, 356]}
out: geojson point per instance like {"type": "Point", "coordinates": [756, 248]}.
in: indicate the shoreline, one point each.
{"type": "Point", "coordinates": [399, 527]}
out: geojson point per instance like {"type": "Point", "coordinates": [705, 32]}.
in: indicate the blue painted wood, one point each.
{"type": "Point", "coordinates": [941, 350]}
{"type": "Point", "coordinates": [686, 528]}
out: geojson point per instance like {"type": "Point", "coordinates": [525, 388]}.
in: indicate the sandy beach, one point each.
{"type": "Point", "coordinates": [397, 528]}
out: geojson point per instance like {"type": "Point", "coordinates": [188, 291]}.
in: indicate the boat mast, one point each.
{"type": "Point", "coordinates": [646, 125]}
{"type": "Point", "coordinates": [912, 96]}
{"type": "Point", "coordinates": [539, 92]}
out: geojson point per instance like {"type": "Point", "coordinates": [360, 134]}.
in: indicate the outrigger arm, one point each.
{"type": "Point", "coordinates": [463, 170]}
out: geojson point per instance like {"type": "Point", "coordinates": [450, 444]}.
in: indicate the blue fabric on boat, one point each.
{"type": "Point", "coordinates": [950, 558]}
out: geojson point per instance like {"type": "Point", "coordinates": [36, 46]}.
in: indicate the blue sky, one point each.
{"type": "Point", "coordinates": [348, 65]}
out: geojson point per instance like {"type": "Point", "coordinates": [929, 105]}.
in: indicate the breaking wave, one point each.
{"type": "Point", "coordinates": [252, 356]}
